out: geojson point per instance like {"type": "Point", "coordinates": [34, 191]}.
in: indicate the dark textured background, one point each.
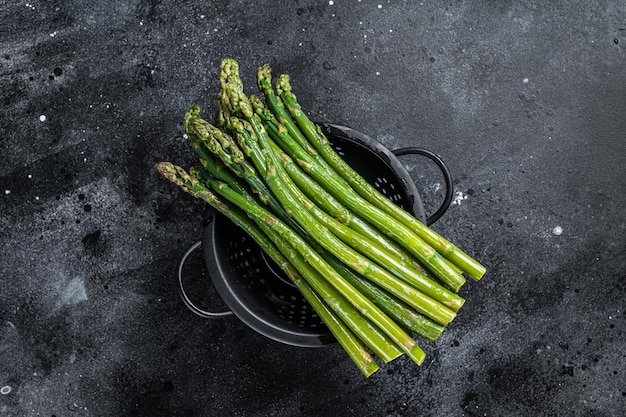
{"type": "Point", "coordinates": [525, 101]}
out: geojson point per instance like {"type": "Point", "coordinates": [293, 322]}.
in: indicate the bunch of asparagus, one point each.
{"type": "Point", "coordinates": [373, 273]}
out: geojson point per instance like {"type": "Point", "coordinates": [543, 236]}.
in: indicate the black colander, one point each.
{"type": "Point", "coordinates": [254, 288]}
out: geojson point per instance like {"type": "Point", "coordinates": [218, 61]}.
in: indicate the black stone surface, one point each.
{"type": "Point", "coordinates": [525, 101]}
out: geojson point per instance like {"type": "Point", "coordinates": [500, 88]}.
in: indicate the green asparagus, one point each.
{"type": "Point", "coordinates": [373, 273]}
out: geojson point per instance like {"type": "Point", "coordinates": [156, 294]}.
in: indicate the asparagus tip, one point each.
{"type": "Point", "coordinates": [282, 84]}
{"type": "Point", "coordinates": [192, 113]}
{"type": "Point", "coordinates": [264, 76]}
{"type": "Point", "coordinates": [166, 168]}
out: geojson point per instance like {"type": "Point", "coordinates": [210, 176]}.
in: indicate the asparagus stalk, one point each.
{"type": "Point", "coordinates": [344, 336]}
{"type": "Point", "coordinates": [470, 266]}
{"type": "Point", "coordinates": [312, 213]}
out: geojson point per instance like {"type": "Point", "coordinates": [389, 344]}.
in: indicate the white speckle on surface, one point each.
{"type": "Point", "coordinates": [42, 118]}
{"type": "Point", "coordinates": [331, 2]}
{"type": "Point", "coordinates": [30, 175]}
{"type": "Point", "coordinates": [525, 80]}
{"type": "Point", "coordinates": [202, 16]}
{"type": "Point", "coordinates": [380, 6]}
{"type": "Point", "coordinates": [300, 44]}
{"type": "Point", "coordinates": [53, 34]}
{"type": "Point", "coordinates": [558, 230]}
{"type": "Point", "coordinates": [458, 198]}
{"type": "Point", "coordinates": [435, 187]}
{"type": "Point", "coordinates": [377, 73]}
{"type": "Point", "coordinates": [5, 390]}
{"type": "Point", "coordinates": [7, 192]}
{"type": "Point", "coordinates": [73, 293]}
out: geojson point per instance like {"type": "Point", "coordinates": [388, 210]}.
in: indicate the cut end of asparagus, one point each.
{"type": "Point", "coordinates": [467, 264]}
{"type": "Point", "coordinates": [418, 355]}
{"type": "Point", "coordinates": [478, 273]}
{"type": "Point", "coordinates": [454, 304]}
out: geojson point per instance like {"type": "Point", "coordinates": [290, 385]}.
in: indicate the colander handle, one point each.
{"type": "Point", "coordinates": [183, 294]}
{"type": "Point", "coordinates": [446, 175]}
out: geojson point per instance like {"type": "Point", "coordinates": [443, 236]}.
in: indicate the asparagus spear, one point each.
{"type": "Point", "coordinates": [303, 239]}
{"type": "Point", "coordinates": [470, 266]}
{"type": "Point", "coordinates": [344, 336]}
